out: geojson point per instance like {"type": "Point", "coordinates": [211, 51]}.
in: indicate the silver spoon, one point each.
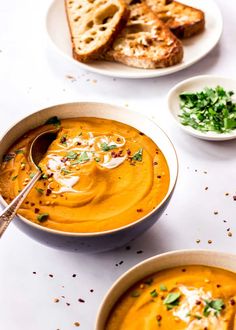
{"type": "Point", "coordinates": [38, 148]}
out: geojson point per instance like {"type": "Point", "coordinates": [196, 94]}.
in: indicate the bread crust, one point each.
{"type": "Point", "coordinates": [86, 55]}
{"type": "Point", "coordinates": [154, 47]}
{"type": "Point", "coordinates": [184, 21]}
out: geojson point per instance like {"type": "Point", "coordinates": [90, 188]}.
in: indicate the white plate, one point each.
{"type": "Point", "coordinates": [193, 85]}
{"type": "Point", "coordinates": [194, 48]}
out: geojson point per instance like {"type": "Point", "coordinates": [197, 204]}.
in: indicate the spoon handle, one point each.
{"type": "Point", "coordinates": [10, 211]}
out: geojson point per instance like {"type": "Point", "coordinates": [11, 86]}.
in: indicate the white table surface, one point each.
{"type": "Point", "coordinates": [32, 77]}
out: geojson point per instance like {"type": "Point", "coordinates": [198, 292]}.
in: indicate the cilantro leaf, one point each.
{"type": "Point", "coordinates": [138, 155]}
{"type": "Point", "coordinates": [106, 147]}
{"type": "Point", "coordinates": [53, 121]}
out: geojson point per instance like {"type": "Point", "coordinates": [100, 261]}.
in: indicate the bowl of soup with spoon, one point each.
{"type": "Point", "coordinates": [107, 177]}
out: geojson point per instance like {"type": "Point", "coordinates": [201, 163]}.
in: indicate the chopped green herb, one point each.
{"type": "Point", "coordinates": [72, 155]}
{"type": "Point", "coordinates": [65, 171]}
{"type": "Point", "coordinates": [211, 109]}
{"type": "Point", "coordinates": [44, 176]}
{"type": "Point", "coordinates": [148, 281]}
{"type": "Point", "coordinates": [19, 151]}
{"type": "Point", "coordinates": [154, 293]}
{"type": "Point", "coordinates": [43, 217]}
{"type": "Point", "coordinates": [8, 157]}
{"type": "Point", "coordinates": [135, 294]}
{"type": "Point", "coordinates": [172, 300]}
{"type": "Point", "coordinates": [14, 177]}
{"type": "Point", "coordinates": [163, 287]}
{"type": "Point", "coordinates": [106, 147]}
{"type": "Point", "coordinates": [39, 190]}
{"type": "Point", "coordinates": [213, 305]}
{"type": "Point", "coordinates": [31, 175]}
{"type": "Point", "coordinates": [82, 158]}
{"type": "Point", "coordinates": [198, 317]}
{"type": "Point", "coordinates": [53, 121]}
{"type": "Point", "coordinates": [138, 155]}
{"type": "Point", "coordinates": [97, 159]}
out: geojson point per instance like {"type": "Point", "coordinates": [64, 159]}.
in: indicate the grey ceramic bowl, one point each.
{"type": "Point", "coordinates": [155, 264]}
{"type": "Point", "coordinates": [94, 242]}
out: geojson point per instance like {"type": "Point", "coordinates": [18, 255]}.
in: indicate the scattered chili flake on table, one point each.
{"type": "Point", "coordinates": [216, 212]}
{"type": "Point", "coordinates": [139, 252]}
{"type": "Point", "coordinates": [209, 241]}
{"type": "Point", "coordinates": [74, 275]}
{"type": "Point", "coordinates": [206, 188]}
{"type": "Point", "coordinates": [91, 290]}
{"type": "Point", "coordinates": [230, 234]}
{"type": "Point", "coordinates": [198, 241]}
{"type": "Point", "coordinates": [81, 300]}
{"type": "Point", "coordinates": [34, 273]}
{"type": "Point", "coordinates": [76, 324]}
{"type": "Point", "coordinates": [234, 198]}
{"type": "Point", "coordinates": [226, 194]}
{"type": "Point", "coordinates": [50, 275]}
{"type": "Point", "coordinates": [56, 300]}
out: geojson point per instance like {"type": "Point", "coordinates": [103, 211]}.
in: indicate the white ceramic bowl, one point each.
{"type": "Point", "coordinates": [98, 241]}
{"type": "Point", "coordinates": [193, 85]}
{"type": "Point", "coordinates": [152, 265]}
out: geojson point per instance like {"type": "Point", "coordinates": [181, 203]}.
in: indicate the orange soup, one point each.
{"type": "Point", "coordinates": [182, 298]}
{"type": "Point", "coordinates": [98, 175]}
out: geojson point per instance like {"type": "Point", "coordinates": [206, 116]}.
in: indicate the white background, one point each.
{"type": "Point", "coordinates": [32, 77]}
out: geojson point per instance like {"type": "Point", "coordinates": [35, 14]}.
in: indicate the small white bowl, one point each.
{"type": "Point", "coordinates": [155, 264]}
{"type": "Point", "coordinates": [195, 84]}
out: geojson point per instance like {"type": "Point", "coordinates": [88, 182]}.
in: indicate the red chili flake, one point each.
{"type": "Point", "coordinates": [48, 192]}
{"type": "Point", "coordinates": [50, 275]}
{"type": "Point", "coordinates": [183, 270]}
{"type": "Point", "coordinates": [40, 202]}
{"type": "Point", "coordinates": [216, 212]}
{"type": "Point", "coordinates": [36, 210]}
{"type": "Point", "coordinates": [232, 302]}
{"type": "Point", "coordinates": [34, 273]}
{"type": "Point", "coordinates": [91, 290]}
{"type": "Point", "coordinates": [118, 139]}
{"type": "Point", "coordinates": [234, 198]}
{"type": "Point", "coordinates": [139, 210]}
{"type": "Point", "coordinates": [56, 300]}
{"type": "Point", "coordinates": [68, 304]}
{"type": "Point", "coordinates": [79, 143]}
{"type": "Point", "coordinates": [209, 241]}
{"type": "Point", "coordinates": [113, 154]}
{"type": "Point", "coordinates": [159, 176]}
{"type": "Point", "coordinates": [139, 252]}
{"type": "Point", "coordinates": [120, 152]}
{"type": "Point", "coordinates": [74, 275]}
{"type": "Point", "coordinates": [63, 139]}
{"type": "Point", "coordinates": [32, 204]}
{"type": "Point", "coordinates": [158, 317]}
{"type": "Point", "coordinates": [128, 152]}
{"type": "Point", "coordinates": [155, 163]}
{"type": "Point", "coordinates": [226, 194]}
{"type": "Point", "coordinates": [81, 300]}
{"type": "Point", "coordinates": [77, 324]}
{"type": "Point", "coordinates": [141, 133]}
{"type": "Point", "coordinates": [63, 160]}
{"type": "Point", "coordinates": [206, 188]}
{"type": "Point", "coordinates": [218, 285]}
{"type": "Point", "coordinates": [26, 202]}
{"type": "Point", "coordinates": [157, 152]}
{"type": "Point", "coordinates": [162, 297]}
{"type": "Point", "coordinates": [198, 302]}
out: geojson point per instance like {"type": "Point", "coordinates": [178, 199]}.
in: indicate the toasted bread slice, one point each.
{"type": "Point", "coordinates": [93, 25]}
{"type": "Point", "coordinates": [145, 42]}
{"type": "Point", "coordinates": [184, 21]}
